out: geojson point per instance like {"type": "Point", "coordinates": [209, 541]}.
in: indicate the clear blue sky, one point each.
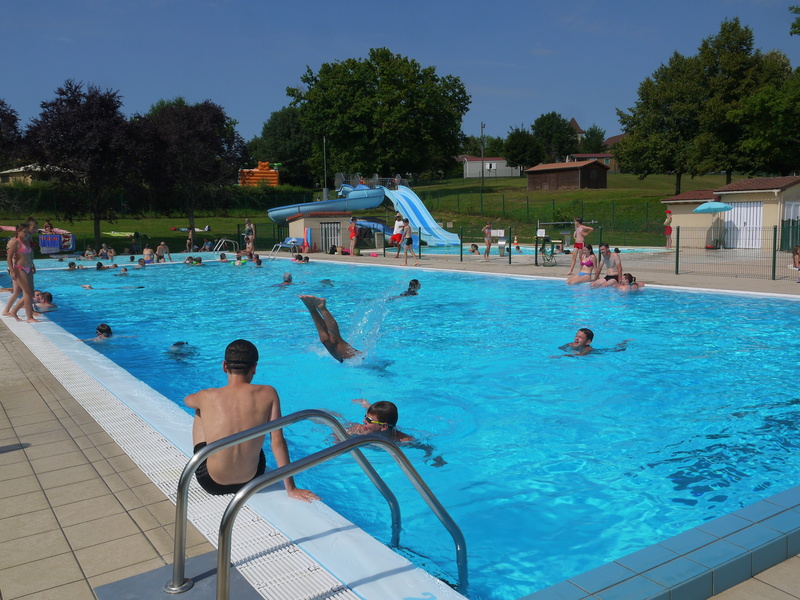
{"type": "Point", "coordinates": [518, 59]}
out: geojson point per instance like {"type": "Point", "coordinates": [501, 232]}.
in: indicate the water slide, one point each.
{"type": "Point", "coordinates": [408, 204]}
{"type": "Point", "coordinates": [404, 200]}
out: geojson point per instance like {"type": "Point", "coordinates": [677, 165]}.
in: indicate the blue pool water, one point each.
{"type": "Point", "coordinates": [553, 465]}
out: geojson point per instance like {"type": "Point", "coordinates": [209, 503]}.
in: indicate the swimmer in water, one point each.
{"type": "Point", "coordinates": [181, 351]}
{"type": "Point", "coordinates": [328, 329]}
{"type": "Point", "coordinates": [103, 333]}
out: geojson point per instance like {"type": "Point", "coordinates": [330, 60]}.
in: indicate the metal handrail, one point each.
{"type": "Point", "coordinates": [179, 583]}
{"type": "Point", "coordinates": [222, 241]}
{"type": "Point", "coordinates": [312, 460]}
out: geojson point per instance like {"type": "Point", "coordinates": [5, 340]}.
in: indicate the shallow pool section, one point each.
{"type": "Point", "coordinates": [551, 465]}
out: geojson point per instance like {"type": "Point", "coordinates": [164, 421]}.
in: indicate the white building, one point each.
{"type": "Point", "coordinates": [492, 167]}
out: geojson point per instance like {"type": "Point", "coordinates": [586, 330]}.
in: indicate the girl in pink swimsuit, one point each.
{"type": "Point", "coordinates": [21, 269]}
{"type": "Point", "coordinates": [587, 266]}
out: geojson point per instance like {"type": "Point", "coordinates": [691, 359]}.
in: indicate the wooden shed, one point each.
{"type": "Point", "coordinates": [579, 175]}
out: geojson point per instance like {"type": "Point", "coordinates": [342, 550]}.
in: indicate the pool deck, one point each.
{"type": "Point", "coordinates": [77, 513]}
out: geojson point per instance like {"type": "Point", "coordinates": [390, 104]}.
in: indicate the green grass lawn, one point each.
{"type": "Point", "coordinates": [629, 212]}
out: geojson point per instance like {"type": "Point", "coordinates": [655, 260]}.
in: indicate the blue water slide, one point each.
{"type": "Point", "coordinates": [408, 204]}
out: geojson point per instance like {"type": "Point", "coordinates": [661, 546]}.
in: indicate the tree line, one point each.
{"type": "Point", "coordinates": [728, 108]}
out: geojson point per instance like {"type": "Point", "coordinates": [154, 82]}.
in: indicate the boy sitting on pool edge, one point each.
{"type": "Point", "coordinates": [239, 405]}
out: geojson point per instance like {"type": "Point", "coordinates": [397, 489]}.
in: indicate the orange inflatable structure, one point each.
{"type": "Point", "coordinates": [264, 174]}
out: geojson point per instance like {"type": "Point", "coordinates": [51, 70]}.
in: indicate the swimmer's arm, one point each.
{"type": "Point", "coordinates": [280, 450]}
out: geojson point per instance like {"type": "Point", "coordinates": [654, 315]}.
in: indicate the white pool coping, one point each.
{"type": "Point", "coordinates": [338, 559]}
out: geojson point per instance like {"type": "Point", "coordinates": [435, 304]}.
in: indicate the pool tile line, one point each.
{"type": "Point", "coordinates": [697, 564]}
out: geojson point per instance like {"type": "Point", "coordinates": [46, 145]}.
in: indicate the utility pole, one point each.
{"type": "Point", "coordinates": [324, 169]}
{"type": "Point", "coordinates": [483, 164]}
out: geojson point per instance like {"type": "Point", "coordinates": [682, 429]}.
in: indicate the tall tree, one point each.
{"type": "Point", "coordinates": [732, 70]}
{"type": "Point", "coordinates": [284, 140]}
{"type": "Point", "coordinates": [194, 148]}
{"type": "Point", "coordinates": [492, 145]}
{"type": "Point", "coordinates": [9, 134]}
{"type": "Point", "coordinates": [383, 114]}
{"type": "Point", "coordinates": [771, 125]}
{"type": "Point", "coordinates": [663, 124]}
{"type": "Point", "coordinates": [522, 148]}
{"type": "Point", "coordinates": [592, 142]}
{"type": "Point", "coordinates": [83, 138]}
{"type": "Point", "coordinates": [795, 28]}
{"type": "Point", "coordinates": [556, 136]}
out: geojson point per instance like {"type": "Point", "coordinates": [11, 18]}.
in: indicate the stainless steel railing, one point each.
{"type": "Point", "coordinates": [179, 583]}
{"type": "Point", "coordinates": [312, 460]}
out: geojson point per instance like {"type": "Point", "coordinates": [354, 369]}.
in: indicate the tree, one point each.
{"type": "Point", "coordinates": [83, 139]}
{"type": "Point", "coordinates": [384, 114]}
{"type": "Point", "coordinates": [194, 148]}
{"type": "Point", "coordinates": [9, 133]}
{"type": "Point", "coordinates": [795, 28]}
{"type": "Point", "coordinates": [771, 124]}
{"type": "Point", "coordinates": [663, 124]}
{"type": "Point", "coordinates": [492, 145]}
{"type": "Point", "coordinates": [284, 140]}
{"type": "Point", "coordinates": [556, 136]}
{"type": "Point", "coordinates": [731, 71]}
{"type": "Point", "coordinates": [522, 148]}
{"type": "Point", "coordinates": [592, 142]}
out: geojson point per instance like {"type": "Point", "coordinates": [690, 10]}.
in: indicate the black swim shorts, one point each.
{"type": "Point", "coordinates": [217, 489]}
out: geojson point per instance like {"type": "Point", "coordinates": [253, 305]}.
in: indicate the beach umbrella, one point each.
{"type": "Point", "coordinates": [713, 207]}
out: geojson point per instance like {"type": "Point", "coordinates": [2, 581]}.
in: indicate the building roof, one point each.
{"type": "Point", "coordinates": [574, 124]}
{"type": "Point", "coordinates": [610, 142]}
{"type": "Point", "coordinates": [693, 196]}
{"type": "Point", "coordinates": [759, 184]}
{"type": "Point", "coordinates": [587, 156]}
{"type": "Point", "coordinates": [565, 165]}
{"type": "Point", "coordinates": [470, 158]}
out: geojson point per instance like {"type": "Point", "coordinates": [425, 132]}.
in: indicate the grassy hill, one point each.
{"type": "Point", "coordinates": [629, 212]}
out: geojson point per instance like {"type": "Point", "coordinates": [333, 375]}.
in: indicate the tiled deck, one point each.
{"type": "Point", "coordinates": [76, 513]}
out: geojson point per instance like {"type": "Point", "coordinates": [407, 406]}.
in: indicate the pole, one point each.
{"type": "Point", "coordinates": [324, 168]}
{"type": "Point", "coordinates": [483, 164]}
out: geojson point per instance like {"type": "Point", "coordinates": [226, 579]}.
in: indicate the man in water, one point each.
{"type": "Point", "coordinates": [613, 264]}
{"type": "Point", "coordinates": [239, 405]}
{"type": "Point", "coordinates": [582, 344]}
{"type": "Point", "coordinates": [328, 329]}
{"type": "Point", "coordinates": [162, 251]}
{"type": "Point", "coordinates": [413, 288]}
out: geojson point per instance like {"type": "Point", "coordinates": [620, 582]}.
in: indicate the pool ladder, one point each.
{"type": "Point", "coordinates": [346, 444]}
{"type": "Point", "coordinates": [223, 241]}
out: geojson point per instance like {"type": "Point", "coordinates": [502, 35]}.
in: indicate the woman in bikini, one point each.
{"type": "Point", "coordinates": [21, 269]}
{"type": "Point", "coordinates": [587, 266]}
{"type": "Point", "coordinates": [148, 255]}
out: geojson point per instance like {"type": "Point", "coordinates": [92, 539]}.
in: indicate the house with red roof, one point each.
{"type": "Point", "coordinates": [759, 204]}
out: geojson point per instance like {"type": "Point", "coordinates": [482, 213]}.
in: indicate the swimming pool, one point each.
{"type": "Point", "coordinates": [554, 466]}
